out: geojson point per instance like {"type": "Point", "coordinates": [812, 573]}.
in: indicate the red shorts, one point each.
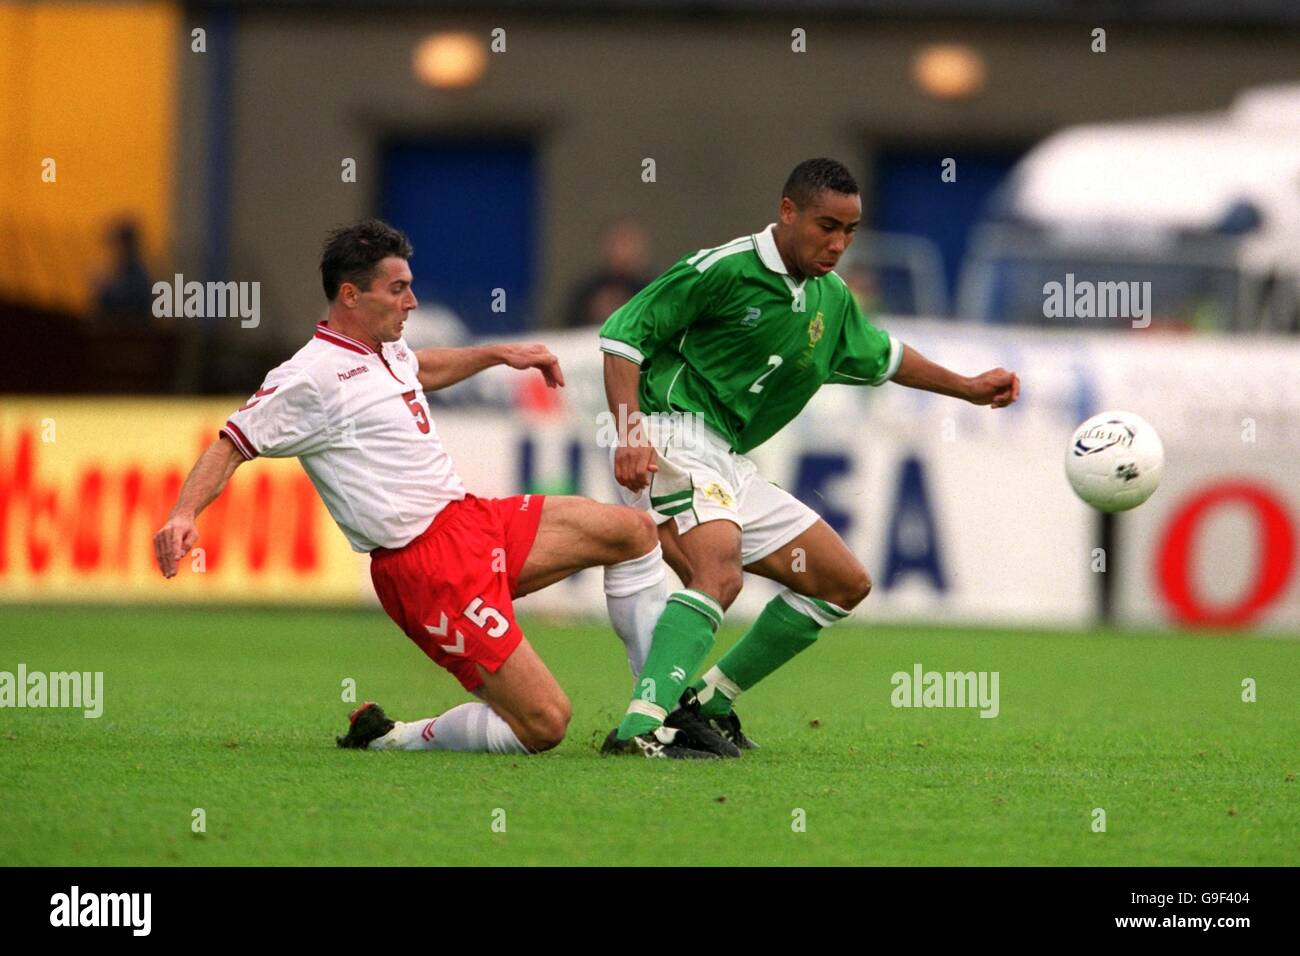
{"type": "Point", "coordinates": [452, 588]}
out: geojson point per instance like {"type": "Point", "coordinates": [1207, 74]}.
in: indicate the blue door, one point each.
{"type": "Point", "coordinates": [469, 209]}
{"type": "Point", "coordinates": [910, 196]}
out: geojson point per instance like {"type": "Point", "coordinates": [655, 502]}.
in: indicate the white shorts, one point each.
{"type": "Point", "coordinates": [701, 479]}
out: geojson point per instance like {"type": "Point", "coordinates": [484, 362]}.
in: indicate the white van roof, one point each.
{"type": "Point", "coordinates": [1181, 172]}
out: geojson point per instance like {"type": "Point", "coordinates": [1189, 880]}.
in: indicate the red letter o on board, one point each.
{"type": "Point", "coordinates": [1276, 555]}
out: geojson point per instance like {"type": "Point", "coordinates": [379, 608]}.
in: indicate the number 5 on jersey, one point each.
{"type": "Point", "coordinates": [421, 419]}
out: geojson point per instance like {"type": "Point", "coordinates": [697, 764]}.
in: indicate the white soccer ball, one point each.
{"type": "Point", "coordinates": [1114, 461]}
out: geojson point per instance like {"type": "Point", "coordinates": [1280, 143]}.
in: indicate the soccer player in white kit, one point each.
{"type": "Point", "coordinates": [446, 565]}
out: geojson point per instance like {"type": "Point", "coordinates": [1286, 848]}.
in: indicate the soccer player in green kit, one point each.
{"type": "Point", "coordinates": [705, 364]}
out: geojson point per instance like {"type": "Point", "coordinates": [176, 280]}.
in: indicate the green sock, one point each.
{"type": "Point", "coordinates": [778, 634]}
{"type": "Point", "coordinates": [681, 641]}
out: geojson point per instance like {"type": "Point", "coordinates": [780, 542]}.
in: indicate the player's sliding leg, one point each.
{"type": "Point", "coordinates": [578, 533]}
{"type": "Point", "coordinates": [526, 696]}
{"type": "Point", "coordinates": [452, 592]}
{"type": "Point", "coordinates": [523, 709]}
{"type": "Point", "coordinates": [525, 712]}
{"type": "Point", "coordinates": [823, 581]}
{"type": "Point", "coordinates": [684, 634]}
{"type": "Point", "coordinates": [475, 728]}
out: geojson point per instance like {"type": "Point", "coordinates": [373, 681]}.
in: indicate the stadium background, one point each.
{"type": "Point", "coordinates": [1159, 691]}
{"type": "Point", "coordinates": [229, 150]}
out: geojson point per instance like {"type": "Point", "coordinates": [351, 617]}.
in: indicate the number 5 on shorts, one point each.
{"type": "Point", "coordinates": [481, 615]}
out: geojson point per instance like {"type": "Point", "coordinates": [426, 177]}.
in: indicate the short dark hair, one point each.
{"type": "Point", "coordinates": [813, 175]}
{"type": "Point", "coordinates": [353, 253]}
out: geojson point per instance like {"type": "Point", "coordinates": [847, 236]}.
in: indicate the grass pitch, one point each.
{"type": "Point", "coordinates": [234, 712]}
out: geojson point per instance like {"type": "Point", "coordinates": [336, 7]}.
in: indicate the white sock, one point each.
{"type": "Point", "coordinates": [716, 682]}
{"type": "Point", "coordinates": [635, 595]}
{"type": "Point", "coordinates": [471, 728]}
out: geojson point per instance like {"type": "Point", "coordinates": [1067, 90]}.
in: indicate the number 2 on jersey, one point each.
{"type": "Point", "coordinates": [421, 419]}
{"type": "Point", "coordinates": [774, 361]}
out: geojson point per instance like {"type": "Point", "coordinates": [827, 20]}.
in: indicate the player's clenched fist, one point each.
{"type": "Point", "coordinates": [997, 387]}
{"type": "Point", "coordinates": [173, 541]}
{"type": "Point", "coordinates": [634, 460]}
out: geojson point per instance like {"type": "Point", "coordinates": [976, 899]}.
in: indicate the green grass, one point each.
{"type": "Point", "coordinates": [234, 711]}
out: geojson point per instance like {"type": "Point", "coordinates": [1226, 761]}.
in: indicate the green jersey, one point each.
{"type": "Point", "coordinates": [729, 335]}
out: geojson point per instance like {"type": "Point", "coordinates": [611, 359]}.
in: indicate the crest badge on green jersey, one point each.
{"type": "Point", "coordinates": [815, 329]}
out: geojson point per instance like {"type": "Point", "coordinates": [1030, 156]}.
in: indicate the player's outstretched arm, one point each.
{"type": "Point", "coordinates": [205, 481]}
{"type": "Point", "coordinates": [997, 387]}
{"type": "Point", "coordinates": [442, 367]}
{"type": "Point", "coordinates": [634, 458]}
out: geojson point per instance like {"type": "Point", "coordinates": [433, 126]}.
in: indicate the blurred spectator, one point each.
{"type": "Point", "coordinates": [125, 293]}
{"type": "Point", "coordinates": [625, 259]}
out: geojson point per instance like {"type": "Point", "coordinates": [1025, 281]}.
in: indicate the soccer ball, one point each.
{"type": "Point", "coordinates": [1114, 461]}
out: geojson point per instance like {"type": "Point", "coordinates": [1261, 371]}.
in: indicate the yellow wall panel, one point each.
{"type": "Point", "coordinates": [85, 482]}
{"type": "Point", "coordinates": [94, 88]}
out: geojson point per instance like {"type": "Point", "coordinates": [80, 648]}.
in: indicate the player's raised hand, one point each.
{"type": "Point", "coordinates": [997, 387]}
{"type": "Point", "coordinates": [173, 541]}
{"type": "Point", "coordinates": [535, 356]}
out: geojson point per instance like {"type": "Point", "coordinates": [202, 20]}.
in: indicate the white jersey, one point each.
{"type": "Point", "coordinates": [358, 421]}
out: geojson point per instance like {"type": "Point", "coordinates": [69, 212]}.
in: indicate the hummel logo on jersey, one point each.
{"type": "Point", "coordinates": [678, 674]}
{"type": "Point", "coordinates": [344, 376]}
{"type": "Point", "coordinates": [752, 315]}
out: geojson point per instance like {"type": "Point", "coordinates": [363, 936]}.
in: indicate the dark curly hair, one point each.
{"type": "Point", "coordinates": [353, 253]}
{"type": "Point", "coordinates": [813, 175]}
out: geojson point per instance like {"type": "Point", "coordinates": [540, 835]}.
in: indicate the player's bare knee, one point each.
{"type": "Point", "coordinates": [731, 588]}
{"type": "Point", "coordinates": [854, 591]}
{"type": "Point", "coordinates": [546, 725]}
{"type": "Point", "coordinates": [723, 584]}
{"type": "Point", "coordinates": [643, 533]}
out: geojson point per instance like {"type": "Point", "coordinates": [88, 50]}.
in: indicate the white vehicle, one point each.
{"type": "Point", "coordinates": [1205, 207]}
